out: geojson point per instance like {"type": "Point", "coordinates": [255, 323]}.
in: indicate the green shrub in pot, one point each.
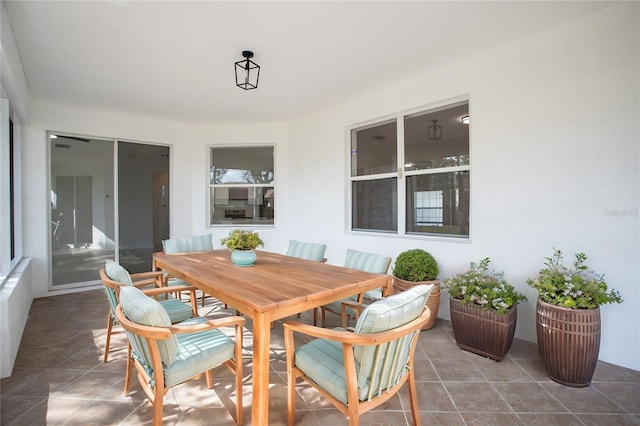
{"type": "Point", "coordinates": [416, 265]}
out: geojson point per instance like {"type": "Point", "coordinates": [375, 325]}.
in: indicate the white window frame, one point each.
{"type": "Point", "coordinates": [211, 186]}
{"type": "Point", "coordinates": [7, 263]}
{"type": "Point", "coordinates": [401, 174]}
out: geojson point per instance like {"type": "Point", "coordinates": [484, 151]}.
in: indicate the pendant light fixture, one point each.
{"type": "Point", "coordinates": [434, 130]}
{"type": "Point", "coordinates": [247, 72]}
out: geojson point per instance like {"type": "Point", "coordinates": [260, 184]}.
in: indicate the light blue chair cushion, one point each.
{"type": "Point", "coordinates": [188, 244]}
{"type": "Point", "coordinates": [117, 273]}
{"type": "Point", "coordinates": [310, 251]}
{"type": "Point", "coordinates": [393, 311]}
{"type": "Point", "coordinates": [146, 311]}
{"type": "Point", "coordinates": [368, 262]}
{"type": "Point", "coordinates": [322, 360]}
{"type": "Point", "coordinates": [176, 310]}
{"type": "Point", "coordinates": [198, 352]}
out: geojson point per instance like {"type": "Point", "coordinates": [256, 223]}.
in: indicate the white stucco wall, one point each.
{"type": "Point", "coordinates": [554, 163]}
{"type": "Point", "coordinates": [554, 148]}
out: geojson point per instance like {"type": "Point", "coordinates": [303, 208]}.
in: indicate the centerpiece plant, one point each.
{"type": "Point", "coordinates": [568, 319]}
{"type": "Point", "coordinates": [483, 307]}
{"type": "Point", "coordinates": [242, 244]}
{"type": "Point", "coordinates": [241, 239]}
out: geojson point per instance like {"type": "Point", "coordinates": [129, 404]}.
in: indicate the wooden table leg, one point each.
{"type": "Point", "coordinates": [261, 352]}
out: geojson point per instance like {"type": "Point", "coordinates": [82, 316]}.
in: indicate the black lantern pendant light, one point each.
{"type": "Point", "coordinates": [247, 72]}
{"type": "Point", "coordinates": [434, 131]}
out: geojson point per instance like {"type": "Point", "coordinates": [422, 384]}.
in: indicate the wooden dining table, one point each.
{"type": "Point", "coordinates": [275, 287]}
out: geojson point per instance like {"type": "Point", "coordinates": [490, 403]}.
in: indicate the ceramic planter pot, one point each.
{"type": "Point", "coordinates": [243, 258]}
{"type": "Point", "coordinates": [483, 332]}
{"type": "Point", "coordinates": [569, 343]}
{"type": "Point", "coordinates": [433, 302]}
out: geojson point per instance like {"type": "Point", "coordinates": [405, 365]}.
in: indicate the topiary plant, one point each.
{"type": "Point", "coordinates": [416, 265]}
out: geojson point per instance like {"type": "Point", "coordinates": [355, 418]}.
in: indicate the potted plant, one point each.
{"type": "Point", "coordinates": [568, 318]}
{"type": "Point", "coordinates": [242, 244]}
{"type": "Point", "coordinates": [483, 310]}
{"type": "Point", "coordinates": [414, 267]}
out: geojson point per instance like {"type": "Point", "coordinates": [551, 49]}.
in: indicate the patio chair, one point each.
{"type": "Point", "coordinates": [114, 277]}
{"type": "Point", "coordinates": [357, 371]}
{"type": "Point", "coordinates": [305, 250]}
{"type": "Point", "coordinates": [362, 261]}
{"type": "Point", "coordinates": [186, 245]}
{"type": "Point", "coordinates": [167, 355]}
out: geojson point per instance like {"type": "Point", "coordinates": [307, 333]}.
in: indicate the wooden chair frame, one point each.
{"type": "Point", "coordinates": [348, 339]}
{"type": "Point", "coordinates": [142, 279]}
{"type": "Point", "coordinates": [154, 387]}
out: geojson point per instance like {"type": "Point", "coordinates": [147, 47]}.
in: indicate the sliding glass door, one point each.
{"type": "Point", "coordinates": [143, 203]}
{"type": "Point", "coordinates": [109, 200]}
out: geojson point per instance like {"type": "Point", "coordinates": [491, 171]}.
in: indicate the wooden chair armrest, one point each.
{"type": "Point", "coordinates": [144, 283]}
{"type": "Point", "coordinates": [146, 275]}
{"type": "Point", "coordinates": [165, 290]}
{"type": "Point", "coordinates": [147, 278]}
{"type": "Point", "coordinates": [350, 338]}
{"type": "Point", "coordinates": [208, 325]}
{"type": "Point", "coordinates": [163, 333]}
{"type": "Point", "coordinates": [158, 333]}
{"type": "Point", "coordinates": [338, 335]}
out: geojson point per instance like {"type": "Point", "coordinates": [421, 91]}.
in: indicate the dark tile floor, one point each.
{"type": "Point", "coordinates": [59, 378]}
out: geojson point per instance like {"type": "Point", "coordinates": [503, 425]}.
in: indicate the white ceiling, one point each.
{"type": "Point", "coordinates": [175, 60]}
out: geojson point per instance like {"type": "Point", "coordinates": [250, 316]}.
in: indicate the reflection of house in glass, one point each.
{"type": "Point", "coordinates": [243, 205]}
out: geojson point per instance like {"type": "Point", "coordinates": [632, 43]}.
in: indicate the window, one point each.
{"type": "Point", "coordinates": [410, 174]}
{"type": "Point", "coordinates": [12, 192]}
{"type": "Point", "coordinates": [10, 223]}
{"type": "Point", "coordinates": [241, 185]}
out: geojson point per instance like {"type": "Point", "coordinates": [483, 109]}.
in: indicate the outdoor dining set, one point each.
{"type": "Point", "coordinates": [356, 367]}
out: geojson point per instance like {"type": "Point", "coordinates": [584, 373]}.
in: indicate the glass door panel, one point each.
{"type": "Point", "coordinates": [85, 229]}
{"type": "Point", "coordinates": [143, 203]}
{"type": "Point", "coordinates": [81, 198]}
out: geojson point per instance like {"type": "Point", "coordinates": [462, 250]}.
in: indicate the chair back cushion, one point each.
{"type": "Point", "coordinates": [387, 314]}
{"type": "Point", "coordinates": [144, 310]}
{"type": "Point", "coordinates": [188, 244]}
{"type": "Point", "coordinates": [393, 311]}
{"type": "Point", "coordinates": [310, 251]}
{"type": "Point", "coordinates": [117, 273]}
{"type": "Point", "coordinates": [368, 262]}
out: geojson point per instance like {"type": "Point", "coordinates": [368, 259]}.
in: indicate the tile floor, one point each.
{"type": "Point", "coordinates": [59, 378]}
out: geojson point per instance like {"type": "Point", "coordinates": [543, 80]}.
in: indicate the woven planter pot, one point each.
{"type": "Point", "coordinates": [433, 302]}
{"type": "Point", "coordinates": [481, 331]}
{"type": "Point", "coordinates": [569, 343]}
